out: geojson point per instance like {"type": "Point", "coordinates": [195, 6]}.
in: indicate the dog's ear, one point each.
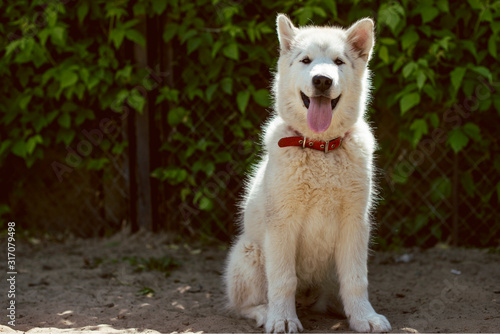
{"type": "Point", "coordinates": [361, 38]}
{"type": "Point", "coordinates": [286, 32]}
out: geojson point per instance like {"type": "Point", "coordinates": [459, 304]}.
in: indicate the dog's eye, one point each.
{"type": "Point", "coordinates": [338, 62]}
{"type": "Point", "coordinates": [306, 60]}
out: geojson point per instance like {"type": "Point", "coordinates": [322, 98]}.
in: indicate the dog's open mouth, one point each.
{"type": "Point", "coordinates": [319, 111]}
{"type": "Point", "coordinates": [307, 100]}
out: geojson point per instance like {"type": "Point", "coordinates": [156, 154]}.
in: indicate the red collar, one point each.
{"type": "Point", "coordinates": [319, 145]}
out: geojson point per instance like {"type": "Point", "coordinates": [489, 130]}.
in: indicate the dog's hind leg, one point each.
{"type": "Point", "coordinates": [246, 285]}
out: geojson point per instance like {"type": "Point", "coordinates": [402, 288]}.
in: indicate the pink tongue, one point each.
{"type": "Point", "coordinates": [319, 114]}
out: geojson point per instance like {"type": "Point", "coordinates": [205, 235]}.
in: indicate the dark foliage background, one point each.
{"type": "Point", "coordinates": [78, 75]}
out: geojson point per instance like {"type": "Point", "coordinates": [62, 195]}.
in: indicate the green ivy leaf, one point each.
{"type": "Point", "coordinates": [51, 116]}
{"type": "Point", "coordinates": [434, 119]}
{"type": "Point", "coordinates": [261, 96]}
{"type": "Point", "coordinates": [440, 189]}
{"type": "Point", "coordinates": [84, 74]}
{"type": "Point", "coordinates": [420, 222]}
{"type": "Point", "coordinates": [31, 143]}
{"type": "Point", "coordinates": [436, 231]}
{"type": "Point", "coordinates": [443, 5]}
{"type": "Point", "coordinates": [471, 47]}
{"type": "Point", "coordinates": [409, 101]}
{"type": "Point", "coordinates": [409, 68]}
{"type": "Point", "coordinates": [19, 148]}
{"type": "Point", "coordinates": [304, 14]}
{"type": "Point", "coordinates": [486, 15]}
{"type": "Point", "coordinates": [496, 103]}
{"type": "Point", "coordinates": [97, 164]}
{"type": "Point", "coordinates": [124, 73]}
{"type": "Point", "coordinates": [82, 11]}
{"type": "Point", "coordinates": [57, 36]}
{"type": "Point", "coordinates": [173, 175]}
{"type": "Point", "coordinates": [206, 204]}
{"type": "Point", "coordinates": [383, 53]}
{"type": "Point", "coordinates": [391, 14]}
{"type": "Point", "coordinates": [47, 75]}
{"type": "Point", "coordinates": [421, 77]}
{"type": "Point", "coordinates": [492, 46]}
{"type": "Point", "coordinates": [159, 6]}
{"type": "Point", "coordinates": [428, 13]}
{"type": "Point", "coordinates": [188, 35]}
{"type": "Point", "coordinates": [468, 183]}
{"type": "Point", "coordinates": [93, 81]}
{"type": "Point", "coordinates": [210, 91]}
{"type": "Point", "coordinates": [473, 131]}
{"type": "Point", "coordinates": [193, 44]}
{"type": "Point", "coordinates": [170, 31]}
{"type": "Point", "coordinates": [216, 47]}
{"type": "Point", "coordinates": [176, 116]}
{"type": "Point", "coordinates": [408, 39]}
{"type": "Point", "coordinates": [319, 11]}
{"type": "Point", "coordinates": [4, 145]}
{"type": "Point", "coordinates": [139, 9]}
{"type": "Point", "coordinates": [136, 101]}
{"type": "Point", "coordinates": [231, 51]}
{"type": "Point", "coordinates": [419, 127]}
{"type": "Point", "coordinates": [117, 36]}
{"type": "Point", "coordinates": [65, 135]}
{"type": "Point", "coordinates": [456, 77]}
{"type": "Point", "coordinates": [12, 46]}
{"type": "Point", "coordinates": [227, 85]}
{"type": "Point", "coordinates": [136, 37]}
{"type": "Point", "coordinates": [242, 100]}
{"type": "Point", "coordinates": [208, 167]}
{"type": "Point", "coordinates": [219, 156]}
{"type": "Point", "coordinates": [24, 101]}
{"type": "Point", "coordinates": [495, 26]}
{"type": "Point", "coordinates": [64, 120]}
{"type": "Point", "coordinates": [430, 91]}
{"type": "Point", "coordinates": [69, 106]}
{"type": "Point", "coordinates": [387, 41]}
{"type": "Point", "coordinates": [118, 148]}
{"type": "Point", "coordinates": [484, 72]}
{"type": "Point", "coordinates": [68, 78]}
{"type": "Point", "coordinates": [83, 115]}
{"type": "Point", "coordinates": [457, 140]}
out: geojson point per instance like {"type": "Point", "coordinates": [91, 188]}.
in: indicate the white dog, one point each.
{"type": "Point", "coordinates": [306, 221]}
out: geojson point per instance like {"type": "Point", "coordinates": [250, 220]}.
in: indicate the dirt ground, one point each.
{"type": "Point", "coordinates": [108, 285]}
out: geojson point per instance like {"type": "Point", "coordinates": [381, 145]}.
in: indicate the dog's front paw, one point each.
{"type": "Point", "coordinates": [290, 325]}
{"type": "Point", "coordinates": [372, 323]}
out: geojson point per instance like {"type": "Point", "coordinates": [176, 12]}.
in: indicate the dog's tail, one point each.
{"type": "Point", "coordinates": [257, 312]}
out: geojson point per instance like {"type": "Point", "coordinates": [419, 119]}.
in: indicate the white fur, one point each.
{"type": "Point", "coordinates": [306, 213]}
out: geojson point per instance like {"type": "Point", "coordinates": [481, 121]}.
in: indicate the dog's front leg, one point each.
{"type": "Point", "coordinates": [351, 256]}
{"type": "Point", "coordinates": [279, 248]}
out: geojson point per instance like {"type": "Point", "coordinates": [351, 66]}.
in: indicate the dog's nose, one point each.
{"type": "Point", "coordinates": [321, 82]}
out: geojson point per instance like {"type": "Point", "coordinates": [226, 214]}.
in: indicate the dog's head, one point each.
{"type": "Point", "coordinates": [322, 80]}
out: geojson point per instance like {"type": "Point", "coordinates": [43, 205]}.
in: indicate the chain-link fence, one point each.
{"type": "Point", "coordinates": [202, 144]}
{"type": "Point", "coordinates": [430, 194]}
{"type": "Point", "coordinates": [82, 189]}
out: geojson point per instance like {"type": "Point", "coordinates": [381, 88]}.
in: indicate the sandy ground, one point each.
{"type": "Point", "coordinates": [107, 285]}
